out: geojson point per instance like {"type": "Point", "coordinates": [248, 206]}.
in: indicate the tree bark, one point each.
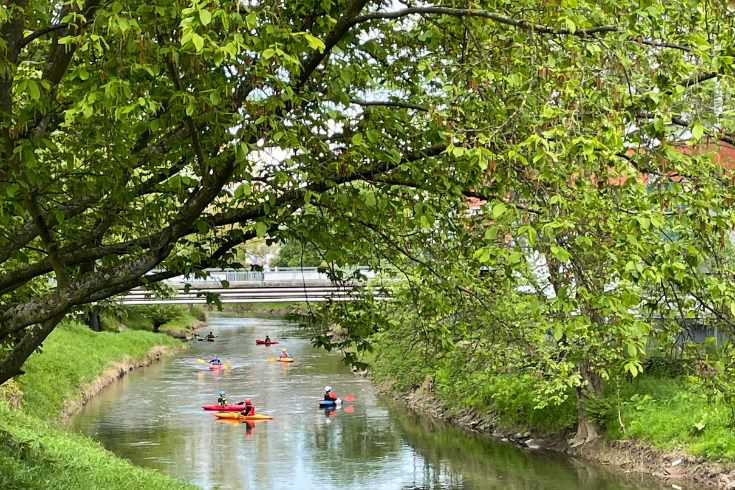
{"type": "Point", "coordinates": [587, 429]}
{"type": "Point", "coordinates": [92, 320]}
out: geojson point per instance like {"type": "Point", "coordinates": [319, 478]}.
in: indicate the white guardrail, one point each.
{"type": "Point", "coordinates": [274, 275]}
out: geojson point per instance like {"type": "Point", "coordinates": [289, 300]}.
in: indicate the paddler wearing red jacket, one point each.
{"type": "Point", "coordinates": [249, 408]}
{"type": "Point", "coordinates": [284, 354]}
{"type": "Point", "coordinates": [328, 395]}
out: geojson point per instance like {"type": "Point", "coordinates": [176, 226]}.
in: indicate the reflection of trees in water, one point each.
{"type": "Point", "coordinates": [474, 463]}
{"type": "Point", "coordinates": [353, 438]}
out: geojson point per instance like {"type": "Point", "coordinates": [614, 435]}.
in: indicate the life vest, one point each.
{"type": "Point", "coordinates": [330, 396]}
{"type": "Point", "coordinates": [284, 355]}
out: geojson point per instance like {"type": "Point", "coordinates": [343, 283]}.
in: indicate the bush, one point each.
{"type": "Point", "coordinates": [198, 313]}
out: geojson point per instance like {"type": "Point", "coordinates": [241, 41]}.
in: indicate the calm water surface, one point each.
{"type": "Point", "coordinates": [153, 418]}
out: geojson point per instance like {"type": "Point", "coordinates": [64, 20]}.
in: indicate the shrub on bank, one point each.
{"type": "Point", "coordinates": [36, 455]}
{"type": "Point", "coordinates": [661, 408]}
{"type": "Point", "coordinates": [73, 355]}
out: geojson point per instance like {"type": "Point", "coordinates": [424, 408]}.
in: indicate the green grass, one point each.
{"type": "Point", "coordinates": [38, 455]}
{"type": "Point", "coordinates": [672, 414]}
{"type": "Point", "coordinates": [658, 408]}
{"type": "Point", "coordinates": [74, 355]}
{"type": "Point", "coordinates": [178, 318]}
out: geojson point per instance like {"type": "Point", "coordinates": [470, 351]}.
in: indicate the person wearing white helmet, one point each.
{"type": "Point", "coordinates": [329, 395]}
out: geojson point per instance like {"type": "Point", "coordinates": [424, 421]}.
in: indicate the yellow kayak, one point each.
{"type": "Point", "coordinates": [237, 416]}
{"type": "Point", "coordinates": [285, 359]}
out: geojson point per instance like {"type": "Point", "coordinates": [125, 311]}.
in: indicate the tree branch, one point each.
{"type": "Point", "coordinates": [402, 105]}
{"type": "Point", "coordinates": [42, 32]}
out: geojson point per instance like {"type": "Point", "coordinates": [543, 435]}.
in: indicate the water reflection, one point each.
{"type": "Point", "coordinates": [153, 418]}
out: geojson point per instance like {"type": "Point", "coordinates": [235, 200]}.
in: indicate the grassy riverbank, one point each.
{"type": "Point", "coordinates": [38, 453]}
{"type": "Point", "coordinates": [74, 356]}
{"type": "Point", "coordinates": [266, 308]}
{"type": "Point", "coordinates": [173, 320]}
{"type": "Point", "coordinates": [669, 412]}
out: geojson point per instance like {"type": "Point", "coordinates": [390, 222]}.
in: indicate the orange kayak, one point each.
{"type": "Point", "coordinates": [215, 366]}
{"type": "Point", "coordinates": [237, 416]}
{"type": "Point", "coordinates": [285, 359]}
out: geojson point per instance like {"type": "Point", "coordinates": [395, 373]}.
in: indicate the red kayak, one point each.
{"type": "Point", "coordinates": [227, 408]}
{"type": "Point", "coordinates": [263, 342]}
{"type": "Point", "coordinates": [215, 366]}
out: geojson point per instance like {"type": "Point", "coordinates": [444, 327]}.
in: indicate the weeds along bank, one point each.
{"type": "Point", "coordinates": [36, 451]}
{"type": "Point", "coordinates": [661, 422]}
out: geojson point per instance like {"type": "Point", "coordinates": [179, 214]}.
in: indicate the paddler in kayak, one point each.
{"type": "Point", "coordinates": [216, 361]}
{"type": "Point", "coordinates": [222, 400]}
{"type": "Point", "coordinates": [210, 337]}
{"type": "Point", "coordinates": [329, 395]}
{"type": "Point", "coordinates": [267, 339]}
{"type": "Point", "coordinates": [284, 354]}
{"type": "Point", "coordinates": [249, 408]}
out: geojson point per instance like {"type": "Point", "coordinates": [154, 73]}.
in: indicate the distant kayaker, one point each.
{"type": "Point", "coordinates": [210, 337]}
{"type": "Point", "coordinates": [267, 339]}
{"type": "Point", "coordinates": [222, 400]}
{"type": "Point", "coordinates": [249, 408]}
{"type": "Point", "coordinates": [284, 354]}
{"type": "Point", "coordinates": [216, 361]}
{"type": "Point", "coordinates": [329, 395]}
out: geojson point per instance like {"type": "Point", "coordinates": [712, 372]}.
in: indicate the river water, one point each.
{"type": "Point", "coordinates": [153, 418]}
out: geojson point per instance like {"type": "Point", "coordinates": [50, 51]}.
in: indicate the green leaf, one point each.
{"type": "Point", "coordinates": [261, 229]}
{"type": "Point", "coordinates": [499, 209]}
{"type": "Point", "coordinates": [198, 42]}
{"type": "Point", "coordinates": [697, 131]}
{"type": "Point", "coordinates": [269, 53]}
{"type": "Point", "coordinates": [33, 90]}
{"type": "Point", "coordinates": [370, 199]}
{"type": "Point", "coordinates": [315, 42]}
{"type": "Point", "coordinates": [205, 17]}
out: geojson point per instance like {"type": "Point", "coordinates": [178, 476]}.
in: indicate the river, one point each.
{"type": "Point", "coordinates": [153, 418]}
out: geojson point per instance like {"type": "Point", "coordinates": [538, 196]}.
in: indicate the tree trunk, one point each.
{"type": "Point", "coordinates": [587, 430]}
{"type": "Point", "coordinates": [92, 320]}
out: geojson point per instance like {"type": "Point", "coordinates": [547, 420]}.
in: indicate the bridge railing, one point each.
{"type": "Point", "coordinates": [276, 274]}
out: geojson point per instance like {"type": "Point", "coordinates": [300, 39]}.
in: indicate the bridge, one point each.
{"type": "Point", "coordinates": [280, 285]}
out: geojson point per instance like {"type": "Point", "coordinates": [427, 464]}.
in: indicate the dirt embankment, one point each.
{"type": "Point", "coordinates": [116, 371]}
{"type": "Point", "coordinates": [626, 455]}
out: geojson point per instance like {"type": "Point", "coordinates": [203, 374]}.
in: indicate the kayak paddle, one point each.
{"type": "Point", "coordinates": [348, 399]}
{"type": "Point", "coordinates": [225, 364]}
{"type": "Point", "coordinates": [350, 409]}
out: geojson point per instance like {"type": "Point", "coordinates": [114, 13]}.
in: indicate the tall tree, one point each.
{"type": "Point", "coordinates": [161, 134]}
